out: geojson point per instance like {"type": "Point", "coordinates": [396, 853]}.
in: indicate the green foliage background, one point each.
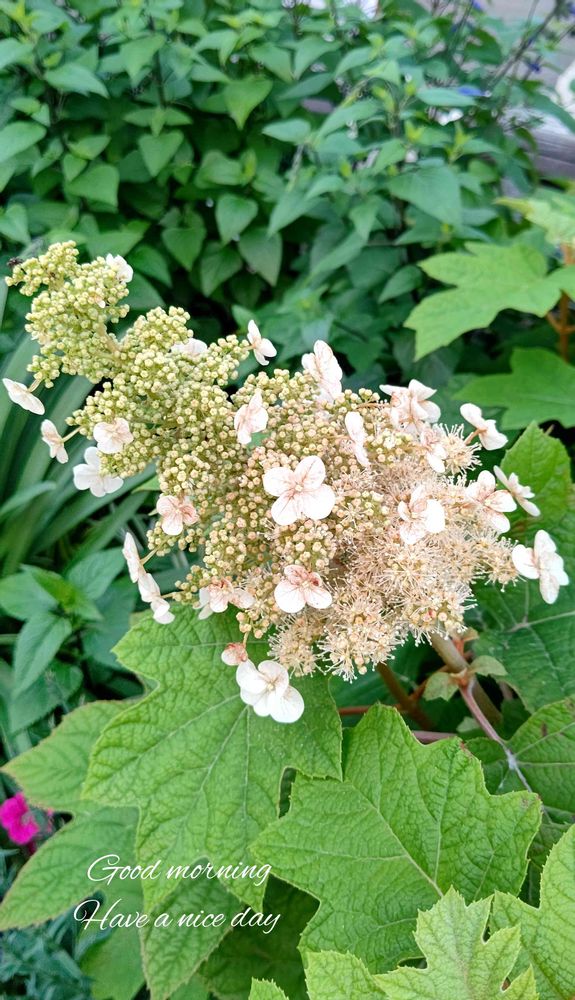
{"type": "Point", "coordinates": [326, 173]}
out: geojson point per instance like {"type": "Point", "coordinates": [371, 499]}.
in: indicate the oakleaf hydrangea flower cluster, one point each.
{"type": "Point", "coordinates": [336, 523]}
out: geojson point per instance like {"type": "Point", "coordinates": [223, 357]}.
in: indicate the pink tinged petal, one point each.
{"type": "Point", "coordinates": [317, 597]}
{"type": "Point", "coordinates": [412, 533]}
{"type": "Point", "coordinates": [286, 510]}
{"type": "Point", "coordinates": [317, 504]}
{"type": "Point", "coordinates": [242, 598]}
{"type": "Point", "coordinates": [288, 707]}
{"type": "Point", "coordinates": [234, 654]}
{"type": "Point", "coordinates": [524, 562]}
{"type": "Point", "coordinates": [22, 396]}
{"type": "Point", "coordinates": [501, 500]}
{"type": "Point", "coordinates": [219, 601]}
{"type": "Point", "coordinates": [289, 597]}
{"type": "Point", "coordinates": [419, 390]}
{"type": "Point", "coordinates": [544, 546]}
{"type": "Point", "coordinates": [548, 587]}
{"type": "Point", "coordinates": [277, 480]}
{"type": "Point", "coordinates": [434, 518]}
{"type": "Point", "coordinates": [498, 522]}
{"type": "Point", "coordinates": [310, 472]}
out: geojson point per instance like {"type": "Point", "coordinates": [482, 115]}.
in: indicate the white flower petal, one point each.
{"type": "Point", "coordinates": [317, 504]}
{"type": "Point", "coordinates": [523, 560]}
{"type": "Point", "coordinates": [472, 413]}
{"type": "Point", "coordinates": [289, 597]}
{"type": "Point", "coordinates": [286, 708]}
{"type": "Point", "coordinates": [21, 395]}
{"type": "Point", "coordinates": [434, 519]}
{"type": "Point", "coordinates": [285, 510]}
{"type": "Point", "coordinates": [277, 480]}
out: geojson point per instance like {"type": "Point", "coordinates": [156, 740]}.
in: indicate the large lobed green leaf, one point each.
{"type": "Point", "coordinates": [406, 823]}
{"type": "Point", "coordinates": [547, 932]}
{"type": "Point", "coordinates": [540, 387]}
{"type": "Point", "coordinates": [202, 768]}
{"type": "Point", "coordinates": [487, 279]}
{"type": "Point", "coordinates": [535, 641]}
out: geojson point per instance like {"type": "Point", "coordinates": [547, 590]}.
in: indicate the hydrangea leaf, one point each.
{"type": "Point", "coordinates": [534, 641]}
{"type": "Point", "coordinates": [541, 462]}
{"type": "Point", "coordinates": [544, 751]}
{"type": "Point", "coordinates": [554, 212]}
{"type": "Point", "coordinates": [547, 931]}
{"type": "Point", "coordinates": [461, 965]}
{"type": "Point", "coordinates": [204, 770]}
{"type": "Point", "coordinates": [487, 279]}
{"type": "Point", "coordinates": [51, 775]}
{"type": "Point", "coordinates": [172, 954]}
{"type": "Point", "coordinates": [540, 387]}
{"type": "Point", "coordinates": [249, 952]}
{"type": "Point", "coordinates": [263, 989]}
{"type": "Point", "coordinates": [374, 849]}
{"type": "Point", "coordinates": [329, 974]}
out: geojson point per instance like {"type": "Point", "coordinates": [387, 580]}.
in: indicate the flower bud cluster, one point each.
{"type": "Point", "coordinates": [336, 523]}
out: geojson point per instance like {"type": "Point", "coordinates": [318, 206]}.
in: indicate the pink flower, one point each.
{"type": "Point", "coordinates": [299, 588]}
{"type": "Point", "coordinates": [410, 407]}
{"type": "Point", "coordinates": [301, 493]}
{"type": "Point", "coordinates": [234, 654]}
{"type": "Point", "coordinates": [262, 347]}
{"type": "Point", "coordinates": [17, 820]}
{"type": "Point", "coordinates": [324, 369]}
{"type": "Point", "coordinates": [251, 418]}
{"type": "Point", "coordinates": [112, 437]}
{"type": "Point", "coordinates": [356, 430]}
{"type": "Point", "coordinates": [421, 516]}
{"type": "Point", "coordinates": [175, 513]}
{"type": "Point", "coordinates": [494, 502]}
{"type": "Point", "coordinates": [486, 430]}
{"type": "Point", "coordinates": [522, 494]}
{"type": "Point", "coordinates": [542, 563]}
{"type": "Point", "coordinates": [268, 690]}
{"type": "Point", "coordinates": [432, 441]}
{"type": "Point", "coordinates": [220, 593]}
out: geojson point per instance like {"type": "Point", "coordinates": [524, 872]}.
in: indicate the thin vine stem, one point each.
{"type": "Point", "coordinates": [455, 663]}
{"type": "Point", "coordinates": [467, 693]}
{"type": "Point", "coordinates": [409, 706]}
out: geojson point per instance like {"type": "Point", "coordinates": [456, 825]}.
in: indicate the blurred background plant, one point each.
{"type": "Point", "coordinates": [314, 168]}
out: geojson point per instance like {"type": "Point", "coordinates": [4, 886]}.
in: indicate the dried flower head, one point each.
{"type": "Point", "coordinates": [346, 526]}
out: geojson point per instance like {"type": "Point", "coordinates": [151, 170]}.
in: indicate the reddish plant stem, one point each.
{"type": "Point", "coordinates": [424, 736]}
{"type": "Point", "coordinates": [409, 706]}
{"type": "Point", "coordinates": [467, 693]}
{"type": "Point", "coordinates": [456, 664]}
